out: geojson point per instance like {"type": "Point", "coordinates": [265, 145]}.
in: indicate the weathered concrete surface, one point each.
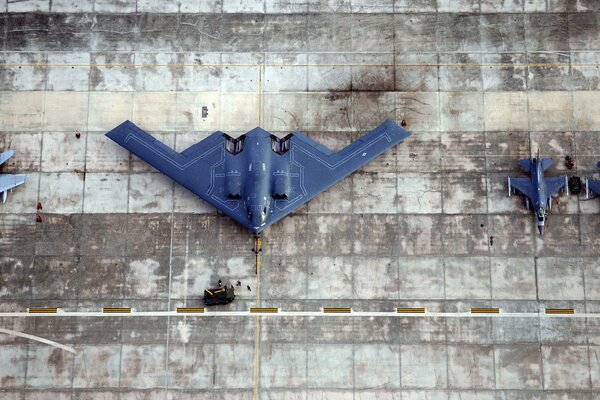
{"type": "Point", "coordinates": [481, 83]}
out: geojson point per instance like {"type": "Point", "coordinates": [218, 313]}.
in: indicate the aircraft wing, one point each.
{"type": "Point", "coordinates": [593, 185]}
{"type": "Point", "coordinates": [523, 185]}
{"type": "Point", "coordinates": [6, 155]}
{"type": "Point", "coordinates": [318, 168]}
{"type": "Point", "coordinates": [553, 185]}
{"type": "Point", "coordinates": [200, 168]}
{"type": "Point", "coordinates": [9, 181]}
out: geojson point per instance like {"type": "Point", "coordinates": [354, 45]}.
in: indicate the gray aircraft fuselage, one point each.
{"type": "Point", "coordinates": [541, 197]}
{"type": "Point", "coordinates": [257, 176]}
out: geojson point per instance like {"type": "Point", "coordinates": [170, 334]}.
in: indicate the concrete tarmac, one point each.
{"type": "Point", "coordinates": [481, 84]}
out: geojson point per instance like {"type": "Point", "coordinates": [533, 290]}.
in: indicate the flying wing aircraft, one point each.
{"type": "Point", "coordinates": [257, 178]}
{"type": "Point", "coordinates": [537, 189]}
{"type": "Point", "coordinates": [9, 181]}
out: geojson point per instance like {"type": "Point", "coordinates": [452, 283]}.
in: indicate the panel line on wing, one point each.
{"type": "Point", "coordinates": [345, 159]}
{"type": "Point", "coordinates": [131, 136]}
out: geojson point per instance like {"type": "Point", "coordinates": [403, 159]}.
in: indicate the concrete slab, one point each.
{"type": "Point", "coordinates": [513, 278]}
{"type": "Point", "coordinates": [55, 119]}
{"type": "Point", "coordinates": [21, 111]}
{"type": "Point", "coordinates": [20, 76]}
{"type": "Point", "coordinates": [86, 372]}
{"type": "Point", "coordinates": [48, 366]}
{"type": "Point", "coordinates": [142, 366]}
{"type": "Point", "coordinates": [471, 367]}
{"type": "Point", "coordinates": [378, 193]}
{"type": "Point", "coordinates": [377, 365]}
{"type": "Point", "coordinates": [419, 193]}
{"type": "Point", "coordinates": [330, 365]}
{"type": "Point", "coordinates": [61, 192]}
{"type": "Point", "coordinates": [505, 111]}
{"type": "Point", "coordinates": [109, 109]}
{"type": "Point", "coordinates": [461, 111]}
{"type": "Point", "coordinates": [423, 366]}
{"type": "Point", "coordinates": [518, 367]}
{"type": "Point", "coordinates": [560, 361]}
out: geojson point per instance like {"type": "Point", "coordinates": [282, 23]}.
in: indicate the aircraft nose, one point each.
{"type": "Point", "coordinates": [541, 229]}
{"type": "Point", "coordinates": [257, 219]}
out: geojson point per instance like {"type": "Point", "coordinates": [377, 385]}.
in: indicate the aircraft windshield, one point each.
{"type": "Point", "coordinates": [541, 214]}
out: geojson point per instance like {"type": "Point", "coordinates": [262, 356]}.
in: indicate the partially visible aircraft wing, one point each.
{"type": "Point", "coordinates": [593, 185]}
{"type": "Point", "coordinates": [319, 168]}
{"type": "Point", "coordinates": [6, 155]}
{"type": "Point", "coordinates": [200, 168]}
{"type": "Point", "coordinates": [9, 181]}
{"type": "Point", "coordinates": [553, 185]}
{"type": "Point", "coordinates": [523, 185]}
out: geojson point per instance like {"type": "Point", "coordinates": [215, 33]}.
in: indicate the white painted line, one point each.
{"type": "Point", "coordinates": [37, 339]}
{"type": "Point", "coordinates": [354, 314]}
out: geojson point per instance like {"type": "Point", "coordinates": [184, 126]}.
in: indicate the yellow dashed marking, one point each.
{"type": "Point", "coordinates": [42, 310]}
{"type": "Point", "coordinates": [476, 310]}
{"type": "Point", "coordinates": [337, 310]}
{"type": "Point", "coordinates": [560, 311]}
{"type": "Point", "coordinates": [189, 310]}
{"type": "Point", "coordinates": [116, 310]}
{"type": "Point", "coordinates": [412, 310]}
{"type": "Point", "coordinates": [264, 310]}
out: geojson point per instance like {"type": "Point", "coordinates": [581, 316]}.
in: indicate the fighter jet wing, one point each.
{"type": "Point", "coordinates": [9, 181]}
{"type": "Point", "coordinates": [199, 168]}
{"type": "Point", "coordinates": [553, 185]}
{"type": "Point", "coordinates": [318, 168]}
{"type": "Point", "coordinates": [523, 185]}
{"type": "Point", "coordinates": [6, 155]}
{"type": "Point", "coordinates": [593, 185]}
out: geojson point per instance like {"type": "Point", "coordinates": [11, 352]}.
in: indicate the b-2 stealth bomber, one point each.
{"type": "Point", "coordinates": [257, 179]}
{"type": "Point", "coordinates": [9, 181]}
{"type": "Point", "coordinates": [537, 189]}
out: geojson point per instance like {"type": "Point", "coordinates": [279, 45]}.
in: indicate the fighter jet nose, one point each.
{"type": "Point", "coordinates": [541, 229]}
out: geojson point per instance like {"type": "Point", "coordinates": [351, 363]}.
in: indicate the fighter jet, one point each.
{"type": "Point", "coordinates": [257, 179]}
{"type": "Point", "coordinates": [8, 181]}
{"type": "Point", "coordinates": [538, 189]}
{"type": "Point", "coordinates": [592, 185]}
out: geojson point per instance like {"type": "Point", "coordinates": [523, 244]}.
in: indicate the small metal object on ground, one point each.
{"type": "Point", "coordinates": [569, 162]}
